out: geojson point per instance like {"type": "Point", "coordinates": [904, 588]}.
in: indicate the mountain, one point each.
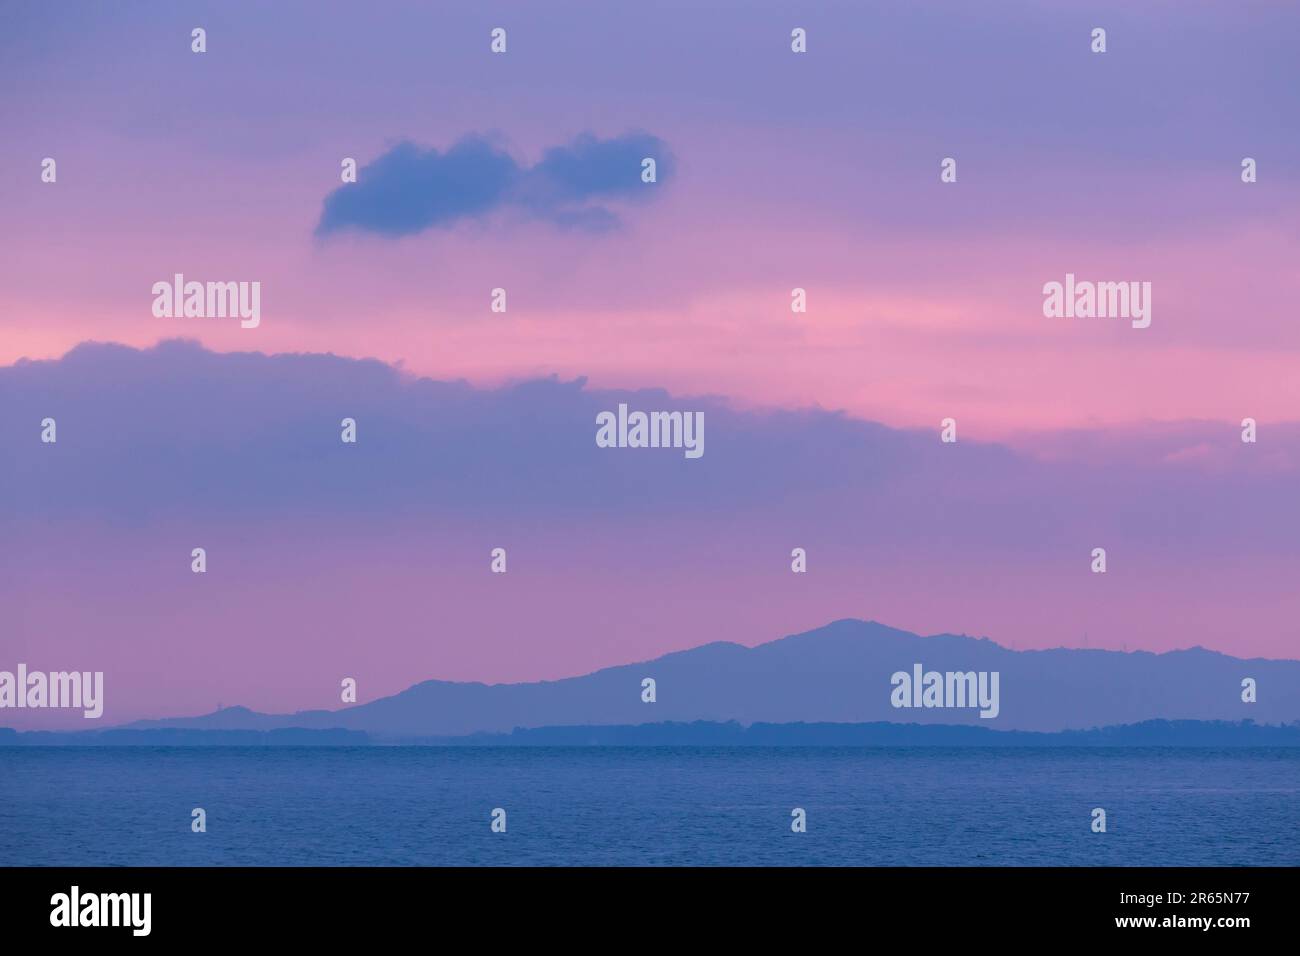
{"type": "Point", "coordinates": [838, 673]}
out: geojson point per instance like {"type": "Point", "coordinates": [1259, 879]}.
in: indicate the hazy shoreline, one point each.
{"type": "Point", "coordinates": [1152, 733]}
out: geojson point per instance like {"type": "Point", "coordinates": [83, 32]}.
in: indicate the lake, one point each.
{"type": "Point", "coordinates": [648, 806]}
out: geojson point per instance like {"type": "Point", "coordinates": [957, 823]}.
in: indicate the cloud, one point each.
{"type": "Point", "coordinates": [180, 430]}
{"type": "Point", "coordinates": [409, 189]}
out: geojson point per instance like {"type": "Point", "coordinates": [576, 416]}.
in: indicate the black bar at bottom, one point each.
{"type": "Point", "coordinates": [333, 905]}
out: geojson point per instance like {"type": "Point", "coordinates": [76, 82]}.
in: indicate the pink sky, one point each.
{"type": "Point", "coordinates": [924, 303]}
{"type": "Point", "coordinates": [924, 298]}
{"type": "Point", "coordinates": [279, 630]}
{"type": "Point", "coordinates": [903, 330]}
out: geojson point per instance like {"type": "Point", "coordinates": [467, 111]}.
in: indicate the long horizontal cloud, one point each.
{"type": "Point", "coordinates": [408, 189]}
{"type": "Point", "coordinates": [179, 430]}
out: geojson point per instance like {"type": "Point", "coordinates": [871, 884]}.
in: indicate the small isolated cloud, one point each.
{"type": "Point", "coordinates": [409, 189]}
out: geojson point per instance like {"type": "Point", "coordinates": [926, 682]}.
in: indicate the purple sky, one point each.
{"type": "Point", "coordinates": [817, 170]}
{"type": "Point", "coordinates": [372, 560]}
{"type": "Point", "coordinates": [778, 170]}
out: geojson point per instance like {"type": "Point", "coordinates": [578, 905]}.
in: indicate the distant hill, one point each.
{"type": "Point", "coordinates": [1152, 733]}
{"type": "Point", "coordinates": [184, 737]}
{"type": "Point", "coordinates": [839, 673]}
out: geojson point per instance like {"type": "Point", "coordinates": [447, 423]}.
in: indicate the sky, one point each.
{"type": "Point", "coordinates": [522, 171]}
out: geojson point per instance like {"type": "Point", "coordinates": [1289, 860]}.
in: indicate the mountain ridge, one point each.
{"type": "Point", "coordinates": [838, 673]}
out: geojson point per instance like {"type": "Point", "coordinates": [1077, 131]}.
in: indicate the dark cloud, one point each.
{"type": "Point", "coordinates": [180, 430]}
{"type": "Point", "coordinates": [409, 189]}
